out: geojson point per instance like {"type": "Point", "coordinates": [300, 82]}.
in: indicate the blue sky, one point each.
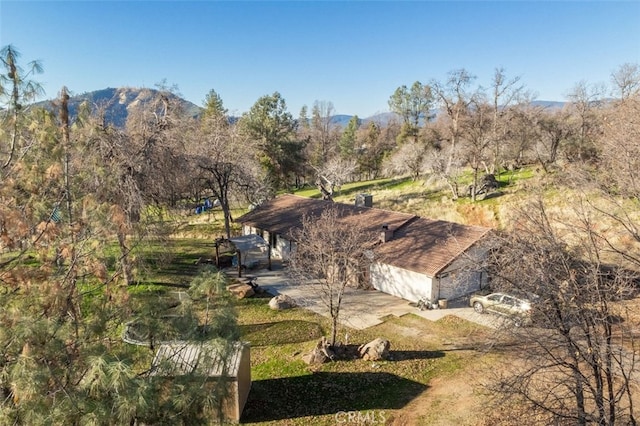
{"type": "Point", "coordinates": [353, 54]}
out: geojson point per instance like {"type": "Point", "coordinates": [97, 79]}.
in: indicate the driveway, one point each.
{"type": "Point", "coordinates": [360, 309]}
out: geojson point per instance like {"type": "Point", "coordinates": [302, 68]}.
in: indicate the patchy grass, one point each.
{"type": "Point", "coordinates": [429, 197]}
{"type": "Point", "coordinates": [349, 189]}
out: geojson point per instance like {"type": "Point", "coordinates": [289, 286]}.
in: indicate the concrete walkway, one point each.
{"type": "Point", "coordinates": [360, 309]}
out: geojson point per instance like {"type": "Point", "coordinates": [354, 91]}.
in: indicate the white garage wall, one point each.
{"type": "Point", "coordinates": [400, 282]}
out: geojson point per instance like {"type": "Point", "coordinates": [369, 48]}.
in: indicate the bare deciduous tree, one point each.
{"type": "Point", "coordinates": [620, 145]}
{"type": "Point", "coordinates": [554, 131]}
{"type": "Point", "coordinates": [454, 99]}
{"type": "Point", "coordinates": [505, 93]}
{"type": "Point", "coordinates": [478, 128]}
{"type": "Point", "coordinates": [626, 80]}
{"type": "Point", "coordinates": [214, 148]}
{"type": "Point", "coordinates": [576, 364]}
{"type": "Point", "coordinates": [409, 158]}
{"type": "Point", "coordinates": [324, 134]}
{"type": "Point", "coordinates": [586, 100]}
{"type": "Point", "coordinates": [330, 255]}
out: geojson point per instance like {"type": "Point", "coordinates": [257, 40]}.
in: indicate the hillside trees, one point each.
{"type": "Point", "coordinates": [413, 105]}
{"type": "Point", "coordinates": [324, 134]}
{"type": "Point", "coordinates": [273, 128]}
{"type": "Point", "coordinates": [586, 101]}
{"type": "Point", "coordinates": [213, 151]}
{"type": "Point", "coordinates": [577, 363]}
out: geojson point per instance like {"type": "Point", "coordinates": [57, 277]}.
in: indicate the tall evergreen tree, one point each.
{"type": "Point", "coordinates": [213, 104]}
{"type": "Point", "coordinates": [273, 128]}
{"type": "Point", "coordinates": [413, 105]}
{"type": "Point", "coordinates": [17, 90]}
{"type": "Point", "coordinates": [347, 143]}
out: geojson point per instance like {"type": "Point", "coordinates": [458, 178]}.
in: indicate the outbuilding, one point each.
{"type": "Point", "coordinates": [211, 363]}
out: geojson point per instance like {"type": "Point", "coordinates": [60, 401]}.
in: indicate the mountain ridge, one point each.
{"type": "Point", "coordinates": [116, 103]}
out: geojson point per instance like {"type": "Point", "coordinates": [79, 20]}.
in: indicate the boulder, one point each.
{"type": "Point", "coordinates": [375, 350]}
{"type": "Point", "coordinates": [241, 291]}
{"type": "Point", "coordinates": [320, 354]}
{"type": "Point", "coordinates": [281, 301]}
{"type": "Point", "coordinates": [314, 357]}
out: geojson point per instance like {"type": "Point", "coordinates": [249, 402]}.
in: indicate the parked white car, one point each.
{"type": "Point", "coordinates": [518, 310]}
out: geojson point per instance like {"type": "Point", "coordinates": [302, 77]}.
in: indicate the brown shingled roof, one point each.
{"type": "Point", "coordinates": [428, 246]}
{"type": "Point", "coordinates": [418, 244]}
{"type": "Point", "coordinates": [283, 215]}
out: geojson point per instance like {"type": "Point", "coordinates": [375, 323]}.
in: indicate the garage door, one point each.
{"type": "Point", "coordinates": [398, 282]}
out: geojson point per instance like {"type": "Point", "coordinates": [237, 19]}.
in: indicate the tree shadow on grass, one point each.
{"type": "Point", "coordinates": [281, 332]}
{"type": "Point", "coordinates": [408, 355]}
{"type": "Point", "coordinates": [347, 352]}
{"type": "Point", "coordinates": [325, 393]}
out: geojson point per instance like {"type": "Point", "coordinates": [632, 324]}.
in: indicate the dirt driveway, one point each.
{"type": "Point", "coordinates": [360, 309]}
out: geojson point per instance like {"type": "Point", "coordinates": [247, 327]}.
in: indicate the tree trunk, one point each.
{"type": "Point", "coordinates": [124, 258]}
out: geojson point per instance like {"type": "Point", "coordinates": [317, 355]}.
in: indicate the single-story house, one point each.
{"type": "Point", "coordinates": [203, 359]}
{"type": "Point", "coordinates": [416, 257]}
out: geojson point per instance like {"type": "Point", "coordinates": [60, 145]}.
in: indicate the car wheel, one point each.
{"type": "Point", "coordinates": [477, 306]}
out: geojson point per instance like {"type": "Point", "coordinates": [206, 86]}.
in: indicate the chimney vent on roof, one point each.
{"type": "Point", "coordinates": [364, 200]}
{"type": "Point", "coordinates": [386, 234]}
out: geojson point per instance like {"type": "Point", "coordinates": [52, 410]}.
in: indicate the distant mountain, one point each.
{"type": "Point", "coordinates": [381, 118]}
{"type": "Point", "coordinates": [117, 103]}
{"type": "Point", "coordinates": [549, 104]}
{"type": "Point", "coordinates": [341, 119]}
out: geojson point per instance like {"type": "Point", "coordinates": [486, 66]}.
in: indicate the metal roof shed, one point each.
{"type": "Point", "coordinates": [206, 360]}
